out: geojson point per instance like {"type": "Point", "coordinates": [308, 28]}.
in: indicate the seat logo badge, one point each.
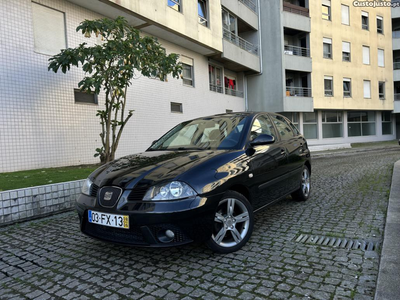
{"type": "Point", "coordinates": [108, 196]}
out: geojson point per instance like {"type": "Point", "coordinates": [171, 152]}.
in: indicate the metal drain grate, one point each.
{"type": "Point", "coordinates": [337, 242]}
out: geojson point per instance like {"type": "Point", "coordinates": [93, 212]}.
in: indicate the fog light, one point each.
{"type": "Point", "coordinates": [170, 234]}
{"type": "Point", "coordinates": [165, 236]}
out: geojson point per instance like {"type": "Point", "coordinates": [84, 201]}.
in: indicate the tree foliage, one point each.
{"type": "Point", "coordinates": [111, 66]}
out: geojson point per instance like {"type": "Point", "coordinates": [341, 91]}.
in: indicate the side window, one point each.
{"type": "Point", "coordinates": [262, 125]}
{"type": "Point", "coordinates": [284, 129]}
{"type": "Point", "coordinates": [294, 128]}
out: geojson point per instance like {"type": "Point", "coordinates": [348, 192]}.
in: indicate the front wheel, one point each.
{"type": "Point", "coordinates": [303, 192]}
{"type": "Point", "coordinates": [233, 223]}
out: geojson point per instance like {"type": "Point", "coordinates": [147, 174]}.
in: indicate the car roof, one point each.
{"type": "Point", "coordinates": [241, 114]}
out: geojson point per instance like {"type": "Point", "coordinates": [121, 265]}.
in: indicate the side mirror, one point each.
{"type": "Point", "coordinates": [263, 139]}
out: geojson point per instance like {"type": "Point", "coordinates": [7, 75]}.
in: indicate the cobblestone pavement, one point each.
{"type": "Point", "coordinates": [50, 258]}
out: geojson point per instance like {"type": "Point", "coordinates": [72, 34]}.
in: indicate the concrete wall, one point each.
{"type": "Point", "coordinates": [355, 69]}
{"type": "Point", "coordinates": [42, 126]}
{"type": "Point", "coordinates": [265, 92]}
{"type": "Point", "coordinates": [185, 22]}
{"type": "Point", "coordinates": [29, 203]}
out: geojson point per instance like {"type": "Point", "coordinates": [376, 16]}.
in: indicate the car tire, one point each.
{"type": "Point", "coordinates": [233, 223]}
{"type": "Point", "coordinates": [303, 193]}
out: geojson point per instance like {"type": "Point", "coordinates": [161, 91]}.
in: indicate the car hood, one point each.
{"type": "Point", "coordinates": [151, 167]}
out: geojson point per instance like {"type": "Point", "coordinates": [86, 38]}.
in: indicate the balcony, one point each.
{"type": "Point", "coordinates": [297, 58]}
{"type": "Point", "coordinates": [396, 97]}
{"type": "Point", "coordinates": [296, 17]}
{"type": "Point", "coordinates": [227, 91]}
{"type": "Point", "coordinates": [396, 103]}
{"type": "Point", "coordinates": [292, 91]}
{"type": "Point", "coordinates": [296, 9]}
{"type": "Point", "coordinates": [240, 54]}
{"type": "Point", "coordinates": [240, 42]}
{"type": "Point", "coordinates": [396, 66]}
{"type": "Point", "coordinates": [245, 10]}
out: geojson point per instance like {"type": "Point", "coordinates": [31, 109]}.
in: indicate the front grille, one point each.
{"type": "Point", "coordinates": [93, 190]}
{"type": "Point", "coordinates": [108, 196]}
{"type": "Point", "coordinates": [117, 235]}
{"type": "Point", "coordinates": [137, 194]}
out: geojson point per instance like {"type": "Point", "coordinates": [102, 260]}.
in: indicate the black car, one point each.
{"type": "Point", "coordinates": [201, 181]}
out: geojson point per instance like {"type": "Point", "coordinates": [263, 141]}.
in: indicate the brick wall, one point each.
{"type": "Point", "coordinates": [29, 203]}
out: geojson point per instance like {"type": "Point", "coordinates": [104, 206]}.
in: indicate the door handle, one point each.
{"type": "Point", "coordinates": [283, 152]}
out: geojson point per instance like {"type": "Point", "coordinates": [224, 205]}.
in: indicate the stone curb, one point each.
{"type": "Point", "coordinates": [352, 152]}
{"type": "Point", "coordinates": [388, 286]}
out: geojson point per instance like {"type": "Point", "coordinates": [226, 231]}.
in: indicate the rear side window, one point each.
{"type": "Point", "coordinates": [294, 128]}
{"type": "Point", "coordinates": [284, 129]}
{"type": "Point", "coordinates": [262, 125]}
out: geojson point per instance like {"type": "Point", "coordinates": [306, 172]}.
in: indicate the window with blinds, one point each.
{"type": "Point", "coordinates": [366, 55]}
{"type": "Point", "coordinates": [327, 47]}
{"type": "Point", "coordinates": [345, 15]}
{"type": "Point", "coordinates": [379, 24]}
{"type": "Point", "coordinates": [346, 56]}
{"type": "Point", "coordinates": [367, 89]}
{"type": "Point", "coordinates": [381, 57]}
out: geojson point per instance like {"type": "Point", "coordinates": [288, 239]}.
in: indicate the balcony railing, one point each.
{"type": "Point", "coordinates": [250, 4]}
{"type": "Point", "coordinates": [292, 91]}
{"type": "Point", "coordinates": [396, 66]}
{"type": "Point", "coordinates": [216, 88]}
{"type": "Point", "coordinates": [241, 43]}
{"type": "Point", "coordinates": [396, 97]}
{"type": "Point", "coordinates": [234, 93]}
{"type": "Point", "coordinates": [295, 9]}
{"type": "Point", "coordinates": [299, 51]}
{"type": "Point", "coordinates": [396, 34]}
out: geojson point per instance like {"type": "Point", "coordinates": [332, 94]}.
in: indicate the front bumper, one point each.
{"type": "Point", "coordinates": [190, 220]}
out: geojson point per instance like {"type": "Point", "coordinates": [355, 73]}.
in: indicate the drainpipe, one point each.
{"type": "Point", "coordinates": [259, 53]}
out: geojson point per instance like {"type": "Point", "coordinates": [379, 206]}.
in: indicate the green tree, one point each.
{"type": "Point", "coordinates": [110, 67]}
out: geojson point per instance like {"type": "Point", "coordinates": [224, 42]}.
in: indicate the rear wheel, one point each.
{"type": "Point", "coordinates": [303, 193]}
{"type": "Point", "coordinates": [233, 223]}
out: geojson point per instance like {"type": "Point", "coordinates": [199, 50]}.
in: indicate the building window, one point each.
{"type": "Point", "coordinates": [332, 124]}
{"type": "Point", "coordinates": [85, 97]}
{"type": "Point", "coordinates": [367, 89]}
{"type": "Point", "coordinates": [202, 11]}
{"type": "Point", "coordinates": [326, 10]}
{"type": "Point", "coordinates": [381, 90]}
{"type": "Point", "coordinates": [366, 55]}
{"type": "Point", "coordinates": [310, 125]}
{"type": "Point", "coordinates": [387, 127]}
{"type": "Point", "coordinates": [48, 29]}
{"type": "Point", "coordinates": [345, 15]}
{"type": "Point", "coordinates": [361, 123]}
{"type": "Point", "coordinates": [346, 55]}
{"type": "Point", "coordinates": [187, 70]}
{"type": "Point", "coordinates": [365, 20]}
{"type": "Point", "coordinates": [327, 48]}
{"type": "Point", "coordinates": [215, 79]}
{"type": "Point", "coordinates": [229, 22]}
{"type": "Point", "coordinates": [328, 86]}
{"type": "Point", "coordinates": [347, 87]}
{"type": "Point", "coordinates": [228, 111]}
{"type": "Point", "coordinates": [176, 107]}
{"type": "Point", "coordinates": [175, 4]}
{"type": "Point", "coordinates": [379, 24]}
{"type": "Point", "coordinates": [381, 58]}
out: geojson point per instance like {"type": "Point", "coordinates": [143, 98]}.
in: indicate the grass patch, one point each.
{"type": "Point", "coordinates": [375, 144]}
{"type": "Point", "coordinates": [22, 179]}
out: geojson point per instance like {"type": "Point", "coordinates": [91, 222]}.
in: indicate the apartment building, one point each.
{"type": "Point", "coordinates": [327, 65]}
{"type": "Point", "coordinates": [46, 122]}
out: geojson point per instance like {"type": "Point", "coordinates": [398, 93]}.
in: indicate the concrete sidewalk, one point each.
{"type": "Point", "coordinates": [388, 286]}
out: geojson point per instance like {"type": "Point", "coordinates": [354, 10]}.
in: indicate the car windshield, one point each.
{"type": "Point", "coordinates": [207, 133]}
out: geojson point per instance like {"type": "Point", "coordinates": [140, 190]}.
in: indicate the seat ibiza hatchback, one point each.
{"type": "Point", "coordinates": [201, 181]}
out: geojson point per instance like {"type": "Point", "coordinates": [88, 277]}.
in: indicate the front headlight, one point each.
{"type": "Point", "coordinates": [169, 191]}
{"type": "Point", "coordinates": [86, 187]}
